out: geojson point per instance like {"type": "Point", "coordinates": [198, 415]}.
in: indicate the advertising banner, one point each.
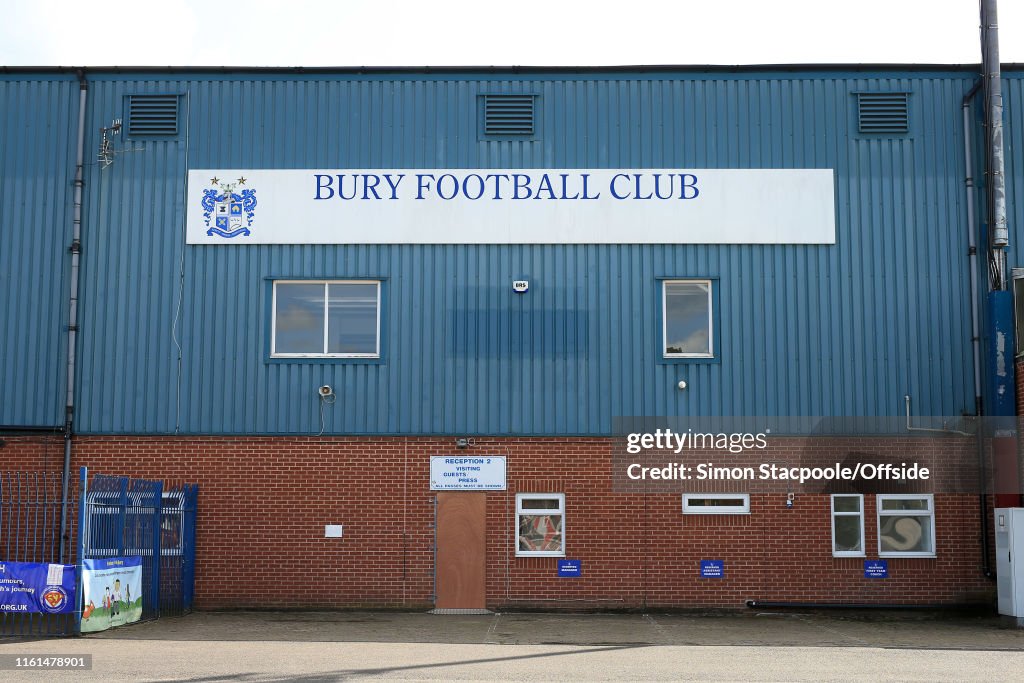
{"type": "Point", "coordinates": [511, 206]}
{"type": "Point", "coordinates": [111, 592]}
{"type": "Point", "coordinates": [37, 587]}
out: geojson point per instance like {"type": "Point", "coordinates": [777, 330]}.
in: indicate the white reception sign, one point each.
{"type": "Point", "coordinates": [514, 206]}
{"type": "Point", "coordinates": [467, 473]}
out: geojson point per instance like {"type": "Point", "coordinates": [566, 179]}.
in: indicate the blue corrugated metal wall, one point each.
{"type": "Point", "coordinates": [805, 330]}
{"type": "Point", "coordinates": [38, 124]}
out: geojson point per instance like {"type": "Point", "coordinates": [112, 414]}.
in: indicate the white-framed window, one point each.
{"type": "Point", "coordinates": [906, 525]}
{"type": "Point", "coordinates": [325, 319]}
{"type": "Point", "coordinates": [686, 315]}
{"type": "Point", "coordinates": [540, 524]}
{"type": "Point", "coordinates": [716, 503]}
{"type": "Point", "coordinates": [847, 525]}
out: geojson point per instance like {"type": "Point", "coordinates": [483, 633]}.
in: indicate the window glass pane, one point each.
{"type": "Point", "coordinates": [539, 533]}
{"type": "Point", "coordinates": [906, 534]}
{"type": "Point", "coordinates": [847, 534]}
{"type": "Point", "coordinates": [539, 503]}
{"type": "Point", "coordinates": [899, 504]}
{"type": "Point", "coordinates": [686, 318]}
{"type": "Point", "coordinates": [846, 503]}
{"type": "Point", "coordinates": [716, 502]}
{"type": "Point", "coordinates": [352, 318]}
{"type": "Point", "coordinates": [299, 321]}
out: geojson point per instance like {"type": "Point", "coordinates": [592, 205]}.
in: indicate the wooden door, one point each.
{"type": "Point", "coordinates": [461, 550]}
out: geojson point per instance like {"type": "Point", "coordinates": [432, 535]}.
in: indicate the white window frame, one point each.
{"type": "Point", "coordinates": [930, 513]}
{"type": "Point", "coordinates": [326, 284]}
{"type": "Point", "coordinates": [520, 497]}
{"type": "Point", "coordinates": [690, 509]}
{"type": "Point", "coordinates": [843, 513]}
{"type": "Point", "coordinates": [664, 318]}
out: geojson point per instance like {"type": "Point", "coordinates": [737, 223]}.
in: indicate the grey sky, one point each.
{"type": "Point", "coordinates": [458, 32]}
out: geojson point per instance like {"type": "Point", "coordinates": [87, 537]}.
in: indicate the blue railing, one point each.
{"type": "Point", "coordinates": [117, 517]}
{"type": "Point", "coordinates": [30, 510]}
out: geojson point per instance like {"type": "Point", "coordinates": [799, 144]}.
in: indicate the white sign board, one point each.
{"type": "Point", "coordinates": [467, 473]}
{"type": "Point", "coordinates": [511, 206]}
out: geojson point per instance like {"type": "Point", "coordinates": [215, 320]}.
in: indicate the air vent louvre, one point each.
{"type": "Point", "coordinates": [152, 115]}
{"type": "Point", "coordinates": [508, 115]}
{"type": "Point", "coordinates": [883, 112]}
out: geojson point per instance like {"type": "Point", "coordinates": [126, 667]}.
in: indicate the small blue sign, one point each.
{"type": "Point", "coordinates": [876, 569]}
{"type": "Point", "coordinates": [712, 569]}
{"type": "Point", "coordinates": [569, 569]}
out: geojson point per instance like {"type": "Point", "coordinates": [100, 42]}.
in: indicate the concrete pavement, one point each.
{"type": "Point", "coordinates": [755, 646]}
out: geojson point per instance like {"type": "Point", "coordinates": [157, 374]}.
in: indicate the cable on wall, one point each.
{"type": "Point", "coordinates": [181, 269]}
{"type": "Point", "coordinates": [328, 397]}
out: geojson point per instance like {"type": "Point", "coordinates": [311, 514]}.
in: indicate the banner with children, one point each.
{"type": "Point", "coordinates": [111, 592]}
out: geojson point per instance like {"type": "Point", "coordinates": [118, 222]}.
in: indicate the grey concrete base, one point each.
{"type": "Point", "coordinates": [453, 610]}
{"type": "Point", "coordinates": [1006, 621]}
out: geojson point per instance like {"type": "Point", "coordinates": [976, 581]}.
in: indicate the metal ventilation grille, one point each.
{"type": "Point", "coordinates": [883, 112]}
{"type": "Point", "coordinates": [152, 115]}
{"type": "Point", "coordinates": [508, 115]}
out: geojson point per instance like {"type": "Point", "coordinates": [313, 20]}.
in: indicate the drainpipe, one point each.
{"type": "Point", "coordinates": [76, 248]}
{"type": "Point", "coordinates": [972, 255]}
{"type": "Point", "coordinates": [994, 100]}
{"type": "Point", "coordinates": [972, 247]}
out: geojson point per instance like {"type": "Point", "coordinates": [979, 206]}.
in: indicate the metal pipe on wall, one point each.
{"type": "Point", "coordinates": [972, 255]}
{"type": "Point", "coordinates": [1000, 305]}
{"type": "Point", "coordinates": [998, 234]}
{"type": "Point", "coordinates": [972, 246]}
{"type": "Point", "coordinates": [994, 98]}
{"type": "Point", "coordinates": [76, 248]}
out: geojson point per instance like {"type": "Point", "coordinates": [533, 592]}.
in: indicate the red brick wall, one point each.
{"type": "Point", "coordinates": [1019, 376]}
{"type": "Point", "coordinates": [263, 502]}
{"type": "Point", "coordinates": [1007, 485]}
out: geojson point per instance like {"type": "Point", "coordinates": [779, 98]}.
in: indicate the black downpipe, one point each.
{"type": "Point", "coordinates": [76, 249]}
{"type": "Point", "coordinates": [972, 254]}
{"type": "Point", "coordinates": [979, 439]}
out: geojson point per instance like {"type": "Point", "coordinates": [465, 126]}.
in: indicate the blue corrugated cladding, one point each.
{"type": "Point", "coordinates": [38, 124]}
{"type": "Point", "coordinates": [845, 329]}
{"type": "Point", "coordinates": [1013, 142]}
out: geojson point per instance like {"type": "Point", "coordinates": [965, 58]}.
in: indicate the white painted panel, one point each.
{"type": "Point", "coordinates": [521, 206]}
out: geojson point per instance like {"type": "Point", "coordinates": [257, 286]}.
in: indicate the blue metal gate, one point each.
{"type": "Point", "coordinates": [117, 517]}
{"type": "Point", "coordinates": [30, 511]}
{"type": "Point", "coordinates": [178, 549]}
{"type": "Point", "coordinates": [123, 517]}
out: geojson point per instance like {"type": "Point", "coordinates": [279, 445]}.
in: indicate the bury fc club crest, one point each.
{"type": "Point", "coordinates": [228, 210]}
